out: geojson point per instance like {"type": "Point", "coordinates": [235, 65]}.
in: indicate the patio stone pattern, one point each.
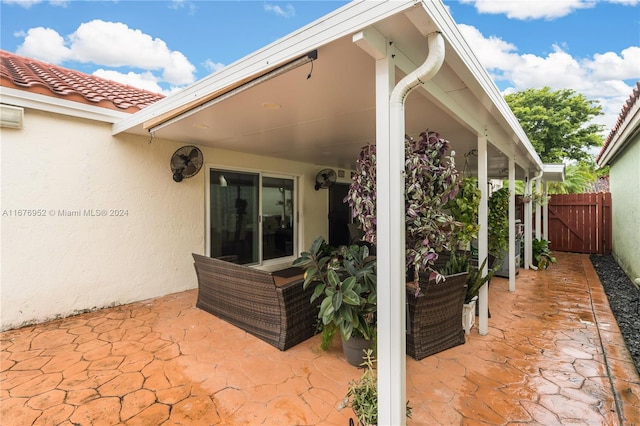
{"type": "Point", "coordinates": [554, 356]}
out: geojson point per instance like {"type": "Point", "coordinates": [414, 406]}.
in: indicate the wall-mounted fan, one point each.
{"type": "Point", "coordinates": [186, 162]}
{"type": "Point", "coordinates": [325, 178]}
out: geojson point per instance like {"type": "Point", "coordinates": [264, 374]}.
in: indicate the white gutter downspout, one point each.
{"type": "Point", "coordinates": [391, 246]}
{"type": "Point", "coordinates": [528, 250]}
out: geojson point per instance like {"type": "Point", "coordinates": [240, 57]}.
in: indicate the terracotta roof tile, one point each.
{"type": "Point", "coordinates": [635, 97]}
{"type": "Point", "coordinates": [51, 80]}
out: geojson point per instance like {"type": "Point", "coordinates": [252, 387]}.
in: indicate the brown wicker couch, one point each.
{"type": "Point", "coordinates": [434, 317]}
{"type": "Point", "coordinates": [250, 299]}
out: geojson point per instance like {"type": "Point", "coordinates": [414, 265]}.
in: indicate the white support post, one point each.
{"type": "Point", "coordinates": [483, 235]}
{"type": "Point", "coordinates": [527, 223]}
{"type": "Point", "coordinates": [545, 214]}
{"type": "Point", "coordinates": [391, 350]}
{"type": "Point", "coordinates": [512, 225]}
{"type": "Point", "coordinates": [538, 211]}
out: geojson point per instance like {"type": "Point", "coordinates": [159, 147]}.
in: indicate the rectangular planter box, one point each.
{"type": "Point", "coordinates": [469, 315]}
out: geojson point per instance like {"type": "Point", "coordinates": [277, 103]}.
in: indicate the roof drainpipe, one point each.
{"type": "Point", "coordinates": [391, 272]}
{"type": "Point", "coordinates": [529, 234]}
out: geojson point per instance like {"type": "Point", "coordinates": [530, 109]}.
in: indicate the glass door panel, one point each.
{"type": "Point", "coordinates": [234, 213]}
{"type": "Point", "coordinates": [278, 208]}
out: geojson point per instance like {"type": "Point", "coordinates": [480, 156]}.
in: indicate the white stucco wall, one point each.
{"type": "Point", "coordinates": [57, 265]}
{"type": "Point", "coordinates": [625, 198]}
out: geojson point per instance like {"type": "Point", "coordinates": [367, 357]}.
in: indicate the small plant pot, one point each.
{"type": "Point", "coordinates": [469, 315]}
{"type": "Point", "coordinates": [354, 350]}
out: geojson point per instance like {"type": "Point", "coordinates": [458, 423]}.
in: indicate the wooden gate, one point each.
{"type": "Point", "coordinates": [580, 223]}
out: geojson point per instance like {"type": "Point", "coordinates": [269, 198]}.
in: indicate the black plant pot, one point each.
{"type": "Point", "coordinates": [354, 350]}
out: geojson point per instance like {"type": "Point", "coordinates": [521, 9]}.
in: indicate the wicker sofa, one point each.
{"type": "Point", "coordinates": [248, 298]}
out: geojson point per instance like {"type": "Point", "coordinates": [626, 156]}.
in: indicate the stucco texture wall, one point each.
{"type": "Point", "coordinates": [90, 220]}
{"type": "Point", "coordinates": [625, 198]}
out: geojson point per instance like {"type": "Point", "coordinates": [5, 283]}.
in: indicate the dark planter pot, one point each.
{"type": "Point", "coordinates": [434, 317]}
{"type": "Point", "coordinates": [354, 350]}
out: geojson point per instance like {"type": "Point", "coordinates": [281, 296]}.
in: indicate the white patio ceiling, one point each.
{"type": "Point", "coordinates": [327, 118]}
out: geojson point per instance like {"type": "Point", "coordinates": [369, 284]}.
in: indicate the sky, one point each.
{"type": "Point", "coordinates": [590, 46]}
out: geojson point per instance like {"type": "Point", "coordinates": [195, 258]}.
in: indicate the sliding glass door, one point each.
{"type": "Point", "coordinates": [251, 216]}
{"type": "Point", "coordinates": [277, 217]}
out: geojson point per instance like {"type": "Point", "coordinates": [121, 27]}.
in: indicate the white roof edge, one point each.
{"type": "Point", "coordinates": [630, 125]}
{"type": "Point", "coordinates": [25, 99]}
{"type": "Point", "coordinates": [339, 23]}
{"type": "Point", "coordinates": [443, 19]}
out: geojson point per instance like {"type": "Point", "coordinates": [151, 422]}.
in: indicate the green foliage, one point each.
{"type": "Point", "coordinates": [345, 282]}
{"type": "Point", "coordinates": [362, 394]}
{"type": "Point", "coordinates": [475, 280]}
{"type": "Point", "coordinates": [458, 262]}
{"type": "Point", "coordinates": [431, 180]}
{"type": "Point", "coordinates": [498, 229]}
{"type": "Point", "coordinates": [558, 123]}
{"type": "Point", "coordinates": [328, 333]}
{"type": "Point", "coordinates": [578, 178]}
{"type": "Point", "coordinates": [542, 255]}
{"type": "Point", "coordinates": [464, 209]}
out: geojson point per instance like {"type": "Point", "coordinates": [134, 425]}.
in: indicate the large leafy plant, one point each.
{"type": "Point", "coordinates": [431, 180]}
{"type": "Point", "coordinates": [464, 209]}
{"type": "Point", "coordinates": [498, 220]}
{"type": "Point", "coordinates": [542, 254]}
{"type": "Point", "coordinates": [345, 283]}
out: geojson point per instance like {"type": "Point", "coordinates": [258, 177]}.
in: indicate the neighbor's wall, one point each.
{"type": "Point", "coordinates": [625, 197]}
{"type": "Point", "coordinates": [90, 220]}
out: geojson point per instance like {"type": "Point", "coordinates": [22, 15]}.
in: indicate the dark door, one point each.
{"type": "Point", "coordinates": [339, 215]}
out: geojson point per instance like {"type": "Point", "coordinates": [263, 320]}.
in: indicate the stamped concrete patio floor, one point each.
{"type": "Point", "coordinates": [553, 356]}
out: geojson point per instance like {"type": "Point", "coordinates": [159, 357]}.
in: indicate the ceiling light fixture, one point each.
{"type": "Point", "coordinates": [271, 105]}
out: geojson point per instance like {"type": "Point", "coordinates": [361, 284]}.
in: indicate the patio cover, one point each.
{"type": "Point", "coordinates": [321, 93]}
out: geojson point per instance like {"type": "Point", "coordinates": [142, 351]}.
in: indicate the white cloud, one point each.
{"type": "Point", "coordinates": [146, 80]}
{"type": "Point", "coordinates": [600, 77]}
{"type": "Point", "coordinates": [28, 3]}
{"type": "Point", "coordinates": [610, 65]}
{"type": "Point", "coordinates": [287, 12]}
{"type": "Point", "coordinates": [44, 44]}
{"type": "Point", "coordinates": [111, 44]}
{"type": "Point", "coordinates": [211, 66]}
{"type": "Point", "coordinates": [183, 4]}
{"type": "Point", "coordinates": [531, 9]}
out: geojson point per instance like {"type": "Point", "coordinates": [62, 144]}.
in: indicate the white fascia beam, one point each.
{"type": "Point", "coordinates": [372, 42]}
{"type": "Point", "coordinates": [40, 102]}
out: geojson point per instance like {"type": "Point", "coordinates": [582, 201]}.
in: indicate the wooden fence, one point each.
{"type": "Point", "coordinates": [580, 223]}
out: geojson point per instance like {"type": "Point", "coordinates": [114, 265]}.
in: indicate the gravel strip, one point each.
{"type": "Point", "coordinates": [624, 299]}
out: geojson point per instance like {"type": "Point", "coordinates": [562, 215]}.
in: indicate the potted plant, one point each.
{"type": "Point", "coordinates": [362, 394]}
{"type": "Point", "coordinates": [431, 180]}
{"type": "Point", "coordinates": [345, 285]}
{"type": "Point", "coordinates": [542, 255]}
